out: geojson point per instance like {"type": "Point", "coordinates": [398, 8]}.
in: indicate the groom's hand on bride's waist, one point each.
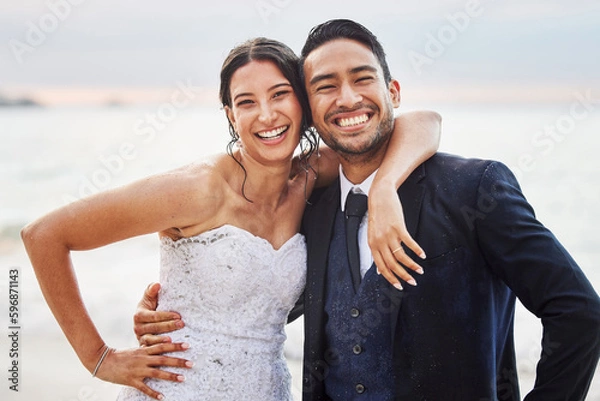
{"type": "Point", "coordinates": [149, 324]}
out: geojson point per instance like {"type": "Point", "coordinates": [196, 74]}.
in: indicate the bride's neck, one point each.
{"type": "Point", "coordinates": [263, 183]}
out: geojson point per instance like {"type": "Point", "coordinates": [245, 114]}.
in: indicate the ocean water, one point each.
{"type": "Point", "coordinates": [51, 156]}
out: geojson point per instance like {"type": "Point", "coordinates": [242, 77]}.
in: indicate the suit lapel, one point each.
{"type": "Point", "coordinates": [411, 195]}
{"type": "Point", "coordinates": [319, 237]}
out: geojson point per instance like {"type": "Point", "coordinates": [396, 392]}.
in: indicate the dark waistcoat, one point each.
{"type": "Point", "coordinates": [358, 329]}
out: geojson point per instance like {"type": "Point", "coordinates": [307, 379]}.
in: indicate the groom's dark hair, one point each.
{"type": "Point", "coordinates": [343, 29]}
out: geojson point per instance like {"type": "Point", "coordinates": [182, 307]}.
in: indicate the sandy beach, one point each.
{"type": "Point", "coordinates": [50, 370]}
{"type": "Point", "coordinates": [112, 279]}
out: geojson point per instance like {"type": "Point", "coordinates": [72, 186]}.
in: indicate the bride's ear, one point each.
{"type": "Point", "coordinates": [230, 117]}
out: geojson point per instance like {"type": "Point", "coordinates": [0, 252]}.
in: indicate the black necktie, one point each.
{"type": "Point", "coordinates": [356, 206]}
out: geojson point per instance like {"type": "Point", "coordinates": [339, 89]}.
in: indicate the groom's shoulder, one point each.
{"type": "Point", "coordinates": [456, 168]}
{"type": "Point", "coordinates": [457, 163]}
{"type": "Point", "coordinates": [452, 174]}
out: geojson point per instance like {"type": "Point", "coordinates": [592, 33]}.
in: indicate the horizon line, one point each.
{"type": "Point", "coordinates": [65, 95]}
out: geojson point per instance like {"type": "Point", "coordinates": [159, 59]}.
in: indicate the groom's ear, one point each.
{"type": "Point", "coordinates": [394, 89]}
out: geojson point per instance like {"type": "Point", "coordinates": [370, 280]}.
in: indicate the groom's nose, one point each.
{"type": "Point", "coordinates": [348, 96]}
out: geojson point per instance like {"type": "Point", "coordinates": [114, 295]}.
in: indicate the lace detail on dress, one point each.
{"type": "Point", "coordinates": [234, 292]}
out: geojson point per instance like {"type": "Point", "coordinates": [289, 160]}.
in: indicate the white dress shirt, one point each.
{"type": "Point", "coordinates": [366, 257]}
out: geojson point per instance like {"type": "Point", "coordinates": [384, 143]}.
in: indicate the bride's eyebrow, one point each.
{"type": "Point", "coordinates": [241, 95]}
{"type": "Point", "coordinates": [279, 85]}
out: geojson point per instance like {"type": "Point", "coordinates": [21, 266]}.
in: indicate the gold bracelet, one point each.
{"type": "Point", "coordinates": [101, 360]}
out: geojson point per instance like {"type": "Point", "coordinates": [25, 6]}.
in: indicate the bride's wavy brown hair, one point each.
{"type": "Point", "coordinates": [264, 49]}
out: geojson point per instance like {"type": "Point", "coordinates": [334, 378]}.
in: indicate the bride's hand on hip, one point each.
{"type": "Point", "coordinates": [130, 367]}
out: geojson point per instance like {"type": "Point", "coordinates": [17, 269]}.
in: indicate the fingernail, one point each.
{"type": "Point", "coordinates": [378, 272]}
{"type": "Point", "coordinates": [160, 397]}
{"type": "Point", "coordinates": [179, 323]}
{"type": "Point", "coordinates": [420, 270]}
{"type": "Point", "coordinates": [398, 286]}
{"type": "Point", "coordinates": [185, 345]}
{"type": "Point", "coordinates": [189, 364]}
{"type": "Point", "coordinates": [412, 282]}
{"type": "Point", "coordinates": [180, 378]}
{"type": "Point", "coordinates": [422, 255]}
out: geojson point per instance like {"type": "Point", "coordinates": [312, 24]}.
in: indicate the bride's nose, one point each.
{"type": "Point", "coordinates": [267, 114]}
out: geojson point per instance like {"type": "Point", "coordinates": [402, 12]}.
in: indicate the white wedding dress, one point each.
{"type": "Point", "coordinates": [234, 292]}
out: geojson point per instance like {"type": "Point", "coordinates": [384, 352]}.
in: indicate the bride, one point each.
{"type": "Point", "coordinates": [232, 258]}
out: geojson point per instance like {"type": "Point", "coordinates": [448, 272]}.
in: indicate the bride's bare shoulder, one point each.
{"type": "Point", "coordinates": [206, 176]}
{"type": "Point", "coordinates": [198, 185]}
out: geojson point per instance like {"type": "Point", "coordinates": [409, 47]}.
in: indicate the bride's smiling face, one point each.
{"type": "Point", "coordinates": [265, 112]}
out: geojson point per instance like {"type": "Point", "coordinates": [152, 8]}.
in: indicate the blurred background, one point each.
{"type": "Point", "coordinates": [95, 94]}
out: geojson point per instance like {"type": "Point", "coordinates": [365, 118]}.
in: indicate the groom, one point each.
{"type": "Point", "coordinates": [451, 337]}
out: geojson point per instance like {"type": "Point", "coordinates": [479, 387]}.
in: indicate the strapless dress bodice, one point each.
{"type": "Point", "coordinates": [234, 292]}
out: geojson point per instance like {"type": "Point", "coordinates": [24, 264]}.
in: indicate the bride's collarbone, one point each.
{"type": "Point", "coordinates": [275, 228]}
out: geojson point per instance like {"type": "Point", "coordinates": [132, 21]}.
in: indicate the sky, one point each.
{"type": "Point", "coordinates": [496, 49]}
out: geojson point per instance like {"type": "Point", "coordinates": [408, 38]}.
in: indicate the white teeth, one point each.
{"type": "Point", "coordinates": [272, 133]}
{"type": "Point", "coordinates": [347, 122]}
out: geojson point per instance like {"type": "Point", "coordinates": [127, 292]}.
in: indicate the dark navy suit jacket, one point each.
{"type": "Point", "coordinates": [452, 335]}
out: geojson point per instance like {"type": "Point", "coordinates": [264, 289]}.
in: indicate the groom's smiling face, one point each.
{"type": "Point", "coordinates": [352, 105]}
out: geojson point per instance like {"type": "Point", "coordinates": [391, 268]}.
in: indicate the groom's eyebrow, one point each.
{"type": "Point", "coordinates": [355, 70]}
{"type": "Point", "coordinates": [322, 77]}
{"type": "Point", "coordinates": [362, 68]}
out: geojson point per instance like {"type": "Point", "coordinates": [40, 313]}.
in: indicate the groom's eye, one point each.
{"type": "Point", "coordinates": [324, 87]}
{"type": "Point", "coordinates": [366, 79]}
